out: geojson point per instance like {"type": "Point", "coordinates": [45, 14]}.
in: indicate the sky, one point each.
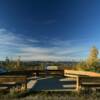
{"type": "Point", "coordinates": [49, 30]}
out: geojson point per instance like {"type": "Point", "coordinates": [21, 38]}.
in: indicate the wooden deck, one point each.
{"type": "Point", "coordinates": [19, 79]}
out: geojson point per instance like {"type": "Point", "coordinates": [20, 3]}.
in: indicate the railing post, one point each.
{"type": "Point", "coordinates": [77, 84]}
{"type": "Point", "coordinates": [25, 84]}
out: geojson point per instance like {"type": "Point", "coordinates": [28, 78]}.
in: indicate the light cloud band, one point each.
{"type": "Point", "coordinates": [15, 45]}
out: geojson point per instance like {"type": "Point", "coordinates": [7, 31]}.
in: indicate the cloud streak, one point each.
{"type": "Point", "coordinates": [12, 39]}
{"type": "Point", "coordinates": [15, 45]}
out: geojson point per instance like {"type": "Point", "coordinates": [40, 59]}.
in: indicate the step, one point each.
{"type": "Point", "coordinates": [69, 86]}
{"type": "Point", "coordinates": [31, 84]}
{"type": "Point", "coordinates": [67, 79]}
{"type": "Point", "coordinates": [3, 88]}
{"type": "Point", "coordinates": [56, 90]}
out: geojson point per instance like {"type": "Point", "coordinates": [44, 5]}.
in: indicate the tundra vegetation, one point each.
{"type": "Point", "coordinates": [52, 96]}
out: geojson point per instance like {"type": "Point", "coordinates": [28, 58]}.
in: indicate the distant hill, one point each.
{"type": "Point", "coordinates": [50, 63]}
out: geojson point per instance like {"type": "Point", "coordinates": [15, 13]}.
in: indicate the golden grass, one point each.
{"type": "Point", "coordinates": [53, 96]}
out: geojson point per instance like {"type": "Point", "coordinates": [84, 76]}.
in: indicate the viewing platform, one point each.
{"type": "Point", "coordinates": [49, 80]}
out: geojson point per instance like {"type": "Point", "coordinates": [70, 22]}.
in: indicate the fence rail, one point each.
{"type": "Point", "coordinates": [13, 82]}
{"type": "Point", "coordinates": [84, 79]}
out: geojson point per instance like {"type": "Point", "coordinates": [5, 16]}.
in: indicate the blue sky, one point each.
{"type": "Point", "coordinates": [55, 30]}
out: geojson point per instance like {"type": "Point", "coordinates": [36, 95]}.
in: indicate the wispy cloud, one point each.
{"type": "Point", "coordinates": [51, 54]}
{"type": "Point", "coordinates": [12, 39]}
{"type": "Point", "coordinates": [11, 43]}
{"type": "Point", "coordinates": [14, 45]}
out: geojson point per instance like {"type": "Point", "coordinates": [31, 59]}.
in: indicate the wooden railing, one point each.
{"type": "Point", "coordinates": [84, 79]}
{"type": "Point", "coordinates": [29, 73]}
{"type": "Point", "coordinates": [14, 81]}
